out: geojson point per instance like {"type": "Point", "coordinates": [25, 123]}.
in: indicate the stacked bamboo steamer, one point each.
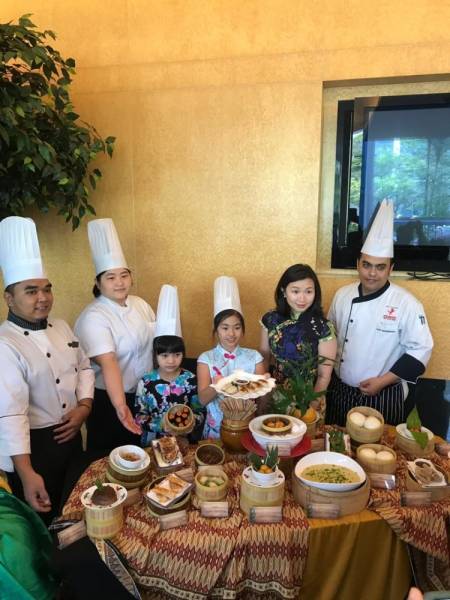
{"type": "Point", "coordinates": [253, 494]}
{"type": "Point", "coordinates": [211, 494]}
{"type": "Point", "coordinates": [350, 502]}
{"type": "Point", "coordinates": [128, 478]}
{"type": "Point", "coordinates": [360, 433]}
{"type": "Point", "coordinates": [372, 464]}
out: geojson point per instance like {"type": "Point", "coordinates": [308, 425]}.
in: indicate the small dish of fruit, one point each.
{"type": "Point", "coordinates": [264, 470]}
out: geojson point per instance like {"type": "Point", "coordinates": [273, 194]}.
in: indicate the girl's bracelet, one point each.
{"type": "Point", "coordinates": [88, 406]}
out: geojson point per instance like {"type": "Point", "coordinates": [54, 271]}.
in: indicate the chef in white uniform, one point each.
{"type": "Point", "coordinates": [383, 337]}
{"type": "Point", "coordinates": [116, 331]}
{"type": "Point", "coordinates": [46, 381]}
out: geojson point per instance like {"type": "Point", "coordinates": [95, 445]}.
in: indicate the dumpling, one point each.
{"type": "Point", "coordinates": [372, 423]}
{"type": "Point", "coordinates": [357, 419]}
{"type": "Point", "coordinates": [367, 454]}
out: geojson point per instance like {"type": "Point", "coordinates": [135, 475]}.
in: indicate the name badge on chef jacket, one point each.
{"type": "Point", "coordinates": [389, 320]}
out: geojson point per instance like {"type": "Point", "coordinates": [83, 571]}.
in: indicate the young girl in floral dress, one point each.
{"type": "Point", "coordinates": [168, 384]}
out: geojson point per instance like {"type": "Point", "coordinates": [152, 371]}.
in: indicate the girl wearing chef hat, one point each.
{"type": "Point", "coordinates": [227, 356]}
{"type": "Point", "coordinates": [116, 331]}
{"type": "Point", "coordinates": [168, 383]}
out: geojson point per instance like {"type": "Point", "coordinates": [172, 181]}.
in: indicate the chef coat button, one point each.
{"type": "Point", "coordinates": [26, 333]}
{"type": "Point", "coordinates": [346, 339]}
{"type": "Point", "coordinates": [49, 324]}
{"type": "Point", "coordinates": [76, 370]}
{"type": "Point", "coordinates": [57, 381]}
{"type": "Point", "coordinates": [64, 405]}
{"type": "Point", "coordinates": [351, 320]}
{"type": "Point", "coordinates": [48, 354]}
{"type": "Point", "coordinates": [342, 360]}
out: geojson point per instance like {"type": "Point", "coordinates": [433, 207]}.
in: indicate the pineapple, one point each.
{"type": "Point", "coordinates": [268, 463]}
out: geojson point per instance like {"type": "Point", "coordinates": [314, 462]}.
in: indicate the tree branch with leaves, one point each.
{"type": "Point", "coordinates": [45, 148]}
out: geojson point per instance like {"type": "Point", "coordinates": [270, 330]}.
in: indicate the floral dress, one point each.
{"type": "Point", "coordinates": [221, 362]}
{"type": "Point", "coordinates": [291, 339]}
{"type": "Point", "coordinates": [155, 396]}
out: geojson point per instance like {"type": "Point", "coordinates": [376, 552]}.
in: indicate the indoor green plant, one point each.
{"type": "Point", "coordinates": [45, 150]}
{"type": "Point", "coordinates": [295, 395]}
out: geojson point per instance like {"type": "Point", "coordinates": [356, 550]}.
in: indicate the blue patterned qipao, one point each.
{"type": "Point", "coordinates": [287, 337]}
{"type": "Point", "coordinates": [154, 397]}
{"type": "Point", "coordinates": [245, 359]}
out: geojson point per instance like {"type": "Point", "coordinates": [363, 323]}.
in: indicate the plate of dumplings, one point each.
{"type": "Point", "coordinates": [244, 385]}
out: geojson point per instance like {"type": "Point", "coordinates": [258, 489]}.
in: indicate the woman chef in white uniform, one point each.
{"type": "Point", "coordinates": [46, 381]}
{"type": "Point", "coordinates": [383, 337]}
{"type": "Point", "coordinates": [116, 331]}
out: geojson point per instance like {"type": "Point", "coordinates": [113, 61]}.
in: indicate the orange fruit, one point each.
{"type": "Point", "coordinates": [297, 413]}
{"type": "Point", "coordinates": [310, 416]}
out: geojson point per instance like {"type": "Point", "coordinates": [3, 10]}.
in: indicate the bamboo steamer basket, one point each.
{"type": "Point", "coordinates": [253, 494]}
{"type": "Point", "coordinates": [206, 494]}
{"type": "Point", "coordinates": [349, 503]}
{"type": "Point", "coordinates": [156, 511]}
{"type": "Point", "coordinates": [437, 493]}
{"type": "Point", "coordinates": [129, 485]}
{"type": "Point", "coordinates": [375, 466]}
{"type": "Point", "coordinates": [129, 478]}
{"type": "Point", "coordinates": [361, 434]}
{"type": "Point", "coordinates": [175, 429]}
{"type": "Point", "coordinates": [103, 522]}
{"type": "Point", "coordinates": [410, 446]}
{"type": "Point", "coordinates": [215, 452]}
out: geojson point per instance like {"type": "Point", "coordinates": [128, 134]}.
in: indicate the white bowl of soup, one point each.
{"type": "Point", "coordinates": [330, 471]}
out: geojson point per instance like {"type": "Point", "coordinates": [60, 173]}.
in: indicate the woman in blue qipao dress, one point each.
{"type": "Point", "coordinates": [297, 329]}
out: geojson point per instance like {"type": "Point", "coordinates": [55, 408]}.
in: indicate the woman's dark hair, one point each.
{"type": "Point", "coordinates": [297, 273]}
{"type": "Point", "coordinates": [224, 314]}
{"type": "Point", "coordinates": [96, 290]}
{"type": "Point", "coordinates": [170, 344]}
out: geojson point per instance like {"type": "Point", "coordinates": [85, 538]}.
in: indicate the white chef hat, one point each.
{"type": "Point", "coordinates": [20, 256]}
{"type": "Point", "coordinates": [226, 295]}
{"type": "Point", "coordinates": [105, 246]}
{"type": "Point", "coordinates": [168, 313]}
{"type": "Point", "coordinates": [380, 238]}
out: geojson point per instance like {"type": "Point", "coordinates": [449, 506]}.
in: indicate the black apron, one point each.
{"type": "Point", "coordinates": [390, 402]}
{"type": "Point", "coordinates": [104, 430]}
{"type": "Point", "coordinates": [52, 462]}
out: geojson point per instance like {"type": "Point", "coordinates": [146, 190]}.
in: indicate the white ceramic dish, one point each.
{"type": "Point", "coordinates": [290, 438]}
{"type": "Point", "coordinates": [330, 458]}
{"type": "Point", "coordinates": [405, 432]}
{"type": "Point", "coordinates": [248, 474]}
{"type": "Point", "coordinates": [412, 469]}
{"type": "Point", "coordinates": [118, 461]}
{"type": "Point", "coordinates": [86, 496]}
{"type": "Point", "coordinates": [160, 460]}
{"type": "Point", "coordinates": [130, 449]}
{"type": "Point", "coordinates": [239, 375]}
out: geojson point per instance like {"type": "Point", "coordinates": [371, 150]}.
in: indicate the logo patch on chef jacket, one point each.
{"type": "Point", "coordinates": [390, 313]}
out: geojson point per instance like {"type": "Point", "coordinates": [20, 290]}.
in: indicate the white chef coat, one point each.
{"type": "Point", "coordinates": [375, 331]}
{"type": "Point", "coordinates": [42, 375]}
{"type": "Point", "coordinates": [106, 326]}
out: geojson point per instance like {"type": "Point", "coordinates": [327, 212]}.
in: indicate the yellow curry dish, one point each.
{"type": "Point", "coordinates": [329, 473]}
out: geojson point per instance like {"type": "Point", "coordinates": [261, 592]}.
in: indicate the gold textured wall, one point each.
{"type": "Point", "coordinates": [217, 108]}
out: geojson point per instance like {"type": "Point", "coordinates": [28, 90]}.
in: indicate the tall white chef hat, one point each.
{"type": "Point", "coordinates": [20, 256]}
{"type": "Point", "coordinates": [226, 295]}
{"type": "Point", "coordinates": [168, 313]}
{"type": "Point", "coordinates": [105, 246]}
{"type": "Point", "coordinates": [380, 239]}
